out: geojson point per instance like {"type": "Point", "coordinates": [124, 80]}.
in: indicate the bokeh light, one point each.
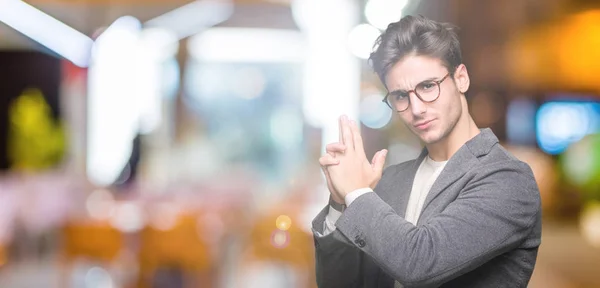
{"type": "Point", "coordinates": [280, 239]}
{"type": "Point", "coordinates": [590, 223]}
{"type": "Point", "coordinates": [128, 217]}
{"type": "Point", "coordinates": [100, 204]}
{"type": "Point", "coordinates": [561, 123]}
{"type": "Point", "coordinates": [98, 278]}
{"type": "Point", "coordinates": [361, 40]}
{"type": "Point", "coordinates": [164, 216]}
{"type": "Point", "coordinates": [581, 163]}
{"type": "Point", "coordinates": [380, 13]}
{"type": "Point", "coordinates": [374, 113]}
{"type": "Point", "coordinates": [283, 222]}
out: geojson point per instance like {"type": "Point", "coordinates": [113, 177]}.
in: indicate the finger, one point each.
{"type": "Point", "coordinates": [374, 160]}
{"type": "Point", "coordinates": [327, 178]}
{"type": "Point", "coordinates": [328, 160]}
{"type": "Point", "coordinates": [379, 161]}
{"type": "Point", "coordinates": [326, 173]}
{"type": "Point", "coordinates": [357, 139]}
{"type": "Point", "coordinates": [332, 154]}
{"type": "Point", "coordinates": [335, 148]}
{"type": "Point", "coordinates": [347, 133]}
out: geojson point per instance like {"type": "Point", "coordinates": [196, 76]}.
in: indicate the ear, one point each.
{"type": "Point", "coordinates": [461, 78]}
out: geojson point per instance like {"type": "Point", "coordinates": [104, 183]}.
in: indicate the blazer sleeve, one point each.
{"type": "Point", "coordinates": [338, 260]}
{"type": "Point", "coordinates": [493, 214]}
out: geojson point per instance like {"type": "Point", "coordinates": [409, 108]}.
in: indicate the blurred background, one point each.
{"type": "Point", "coordinates": [149, 143]}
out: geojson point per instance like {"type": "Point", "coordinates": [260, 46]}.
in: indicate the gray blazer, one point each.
{"type": "Point", "coordinates": [480, 226]}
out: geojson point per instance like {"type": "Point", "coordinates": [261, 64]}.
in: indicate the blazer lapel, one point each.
{"type": "Point", "coordinates": [459, 164]}
{"type": "Point", "coordinates": [456, 167]}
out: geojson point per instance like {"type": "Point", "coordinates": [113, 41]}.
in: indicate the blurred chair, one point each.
{"type": "Point", "coordinates": [95, 241]}
{"type": "Point", "coordinates": [178, 250]}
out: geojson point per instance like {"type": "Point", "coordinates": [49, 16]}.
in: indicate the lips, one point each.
{"type": "Point", "coordinates": [423, 125]}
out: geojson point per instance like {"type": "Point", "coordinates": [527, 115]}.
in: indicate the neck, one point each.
{"type": "Point", "coordinates": [464, 130]}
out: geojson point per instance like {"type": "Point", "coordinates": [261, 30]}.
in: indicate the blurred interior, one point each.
{"type": "Point", "coordinates": [149, 143]}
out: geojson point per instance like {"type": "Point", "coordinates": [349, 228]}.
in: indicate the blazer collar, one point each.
{"type": "Point", "coordinates": [482, 143]}
{"type": "Point", "coordinates": [478, 146]}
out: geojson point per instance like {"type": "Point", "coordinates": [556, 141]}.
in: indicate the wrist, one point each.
{"type": "Point", "coordinates": [350, 197]}
{"type": "Point", "coordinates": [337, 205]}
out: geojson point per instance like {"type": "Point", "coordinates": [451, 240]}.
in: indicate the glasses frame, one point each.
{"type": "Point", "coordinates": [437, 82]}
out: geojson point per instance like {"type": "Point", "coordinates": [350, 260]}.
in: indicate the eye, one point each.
{"type": "Point", "coordinates": [427, 86]}
{"type": "Point", "coordinates": [399, 96]}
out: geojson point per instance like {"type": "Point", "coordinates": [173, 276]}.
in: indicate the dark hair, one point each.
{"type": "Point", "coordinates": [416, 35]}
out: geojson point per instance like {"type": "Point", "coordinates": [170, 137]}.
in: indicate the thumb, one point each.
{"type": "Point", "coordinates": [379, 160]}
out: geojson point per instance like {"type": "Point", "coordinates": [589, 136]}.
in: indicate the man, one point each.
{"type": "Point", "coordinates": [465, 213]}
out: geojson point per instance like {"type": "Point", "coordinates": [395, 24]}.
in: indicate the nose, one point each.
{"type": "Point", "coordinates": [417, 107]}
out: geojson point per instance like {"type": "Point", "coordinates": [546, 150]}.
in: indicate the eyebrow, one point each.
{"type": "Point", "coordinates": [402, 91]}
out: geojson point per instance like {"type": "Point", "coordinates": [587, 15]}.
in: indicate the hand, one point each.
{"type": "Point", "coordinates": [329, 159]}
{"type": "Point", "coordinates": [348, 168]}
{"type": "Point", "coordinates": [333, 149]}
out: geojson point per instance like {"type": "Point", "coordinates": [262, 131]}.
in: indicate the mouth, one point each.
{"type": "Point", "coordinates": [423, 125]}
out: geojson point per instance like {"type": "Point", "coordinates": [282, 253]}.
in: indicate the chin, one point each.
{"type": "Point", "coordinates": [429, 136]}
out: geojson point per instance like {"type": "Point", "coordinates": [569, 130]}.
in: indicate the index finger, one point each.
{"type": "Point", "coordinates": [347, 133]}
{"type": "Point", "coordinates": [357, 138]}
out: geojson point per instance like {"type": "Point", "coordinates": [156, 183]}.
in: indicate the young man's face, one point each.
{"type": "Point", "coordinates": [432, 121]}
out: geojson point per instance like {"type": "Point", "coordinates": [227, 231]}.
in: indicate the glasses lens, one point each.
{"type": "Point", "coordinates": [429, 91]}
{"type": "Point", "coordinates": [398, 102]}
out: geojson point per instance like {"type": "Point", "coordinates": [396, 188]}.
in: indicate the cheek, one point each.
{"type": "Point", "coordinates": [450, 104]}
{"type": "Point", "coordinates": [406, 117]}
{"type": "Point", "coordinates": [452, 110]}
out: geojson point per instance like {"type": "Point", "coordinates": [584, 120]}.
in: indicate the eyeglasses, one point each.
{"type": "Point", "coordinates": [428, 91]}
